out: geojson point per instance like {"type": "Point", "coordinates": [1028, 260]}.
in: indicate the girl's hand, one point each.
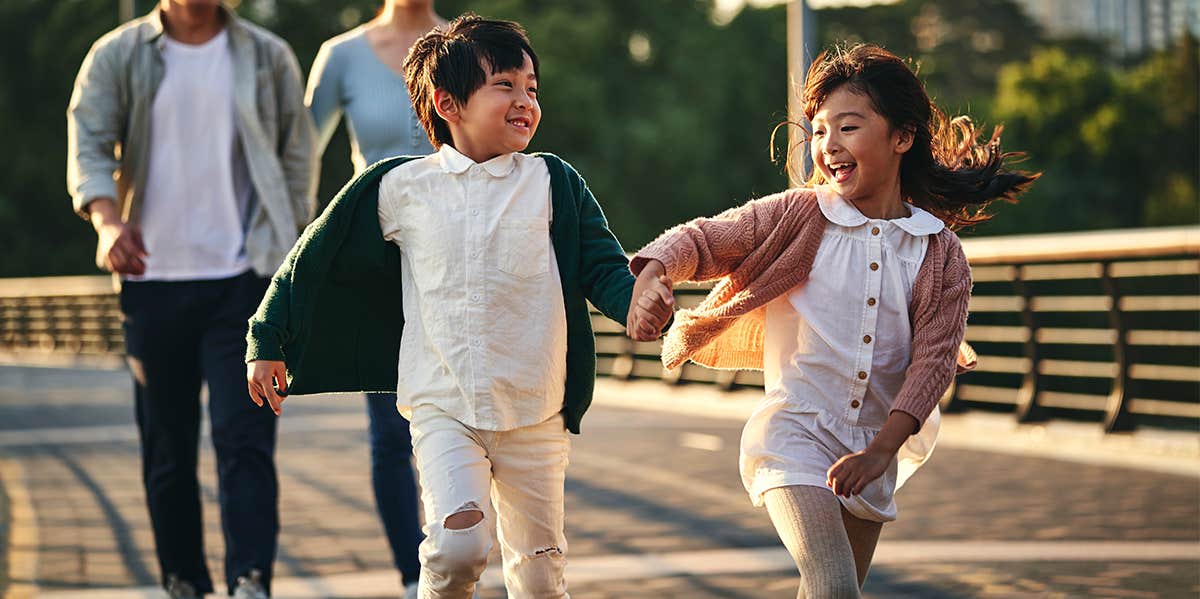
{"type": "Point", "coordinates": [651, 304]}
{"type": "Point", "coordinates": [653, 310]}
{"type": "Point", "coordinates": [267, 379]}
{"type": "Point", "coordinates": [851, 474]}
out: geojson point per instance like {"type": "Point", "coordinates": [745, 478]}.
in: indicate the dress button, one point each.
{"type": "Point", "coordinates": [870, 301]}
{"type": "Point", "coordinates": [862, 375]}
{"type": "Point", "coordinates": [866, 338]}
{"type": "Point", "coordinates": [854, 404]}
{"type": "Point", "coordinates": [874, 266]}
{"type": "Point", "coordinates": [874, 230]}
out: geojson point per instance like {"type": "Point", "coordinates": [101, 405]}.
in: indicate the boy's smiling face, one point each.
{"type": "Point", "coordinates": [500, 117]}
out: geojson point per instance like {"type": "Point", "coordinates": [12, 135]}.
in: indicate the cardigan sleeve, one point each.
{"type": "Point", "coordinates": [268, 327]}
{"type": "Point", "coordinates": [603, 267]}
{"type": "Point", "coordinates": [710, 248]}
{"type": "Point", "coordinates": [938, 331]}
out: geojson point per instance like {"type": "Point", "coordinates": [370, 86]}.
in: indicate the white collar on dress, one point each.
{"type": "Point", "coordinates": [455, 162]}
{"type": "Point", "coordinates": [840, 212]}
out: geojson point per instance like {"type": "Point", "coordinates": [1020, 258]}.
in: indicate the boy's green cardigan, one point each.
{"type": "Point", "coordinates": [333, 310]}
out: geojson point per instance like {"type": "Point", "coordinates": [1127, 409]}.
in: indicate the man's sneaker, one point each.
{"type": "Point", "coordinates": [250, 587]}
{"type": "Point", "coordinates": [178, 589]}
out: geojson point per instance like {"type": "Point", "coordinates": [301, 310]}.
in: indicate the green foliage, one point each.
{"type": "Point", "coordinates": [41, 45]}
{"type": "Point", "coordinates": [957, 46]}
{"type": "Point", "coordinates": [1118, 149]}
{"type": "Point", "coordinates": [668, 115]}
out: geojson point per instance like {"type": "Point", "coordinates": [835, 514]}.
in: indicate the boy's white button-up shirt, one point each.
{"type": "Point", "coordinates": [485, 331]}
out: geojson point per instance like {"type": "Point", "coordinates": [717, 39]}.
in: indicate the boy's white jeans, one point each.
{"type": "Point", "coordinates": [515, 478]}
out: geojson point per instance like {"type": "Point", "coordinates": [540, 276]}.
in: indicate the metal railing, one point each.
{"type": "Point", "coordinates": [1100, 325]}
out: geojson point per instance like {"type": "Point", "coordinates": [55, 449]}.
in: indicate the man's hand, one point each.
{"type": "Point", "coordinates": [120, 248]}
{"type": "Point", "coordinates": [267, 379]}
{"type": "Point", "coordinates": [652, 303]}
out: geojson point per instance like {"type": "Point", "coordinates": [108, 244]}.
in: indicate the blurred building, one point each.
{"type": "Point", "coordinates": [1132, 27]}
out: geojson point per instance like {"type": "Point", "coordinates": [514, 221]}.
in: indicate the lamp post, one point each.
{"type": "Point", "coordinates": [801, 46]}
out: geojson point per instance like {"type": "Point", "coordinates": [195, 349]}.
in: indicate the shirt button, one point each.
{"type": "Point", "coordinates": [874, 230]}
{"type": "Point", "coordinates": [874, 266]}
{"type": "Point", "coordinates": [854, 404]}
{"type": "Point", "coordinates": [866, 338]}
{"type": "Point", "coordinates": [475, 297]}
{"type": "Point", "coordinates": [475, 212]}
{"type": "Point", "coordinates": [862, 375]}
{"type": "Point", "coordinates": [870, 301]}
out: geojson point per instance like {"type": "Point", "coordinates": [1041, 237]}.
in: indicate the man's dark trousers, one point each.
{"type": "Point", "coordinates": [178, 334]}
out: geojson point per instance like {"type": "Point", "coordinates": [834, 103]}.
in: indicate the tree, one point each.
{"type": "Point", "coordinates": [956, 46]}
{"type": "Point", "coordinates": [1118, 149]}
{"type": "Point", "coordinates": [42, 46]}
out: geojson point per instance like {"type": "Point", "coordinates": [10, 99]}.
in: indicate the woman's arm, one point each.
{"type": "Point", "coordinates": [324, 95]}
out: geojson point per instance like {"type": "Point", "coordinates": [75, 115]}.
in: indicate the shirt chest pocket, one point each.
{"type": "Point", "coordinates": [523, 246]}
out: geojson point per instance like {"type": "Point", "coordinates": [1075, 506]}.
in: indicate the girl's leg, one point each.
{"type": "Point", "coordinates": [864, 536]}
{"type": "Point", "coordinates": [809, 522]}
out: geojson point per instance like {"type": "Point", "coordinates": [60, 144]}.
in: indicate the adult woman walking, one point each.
{"type": "Point", "coordinates": [360, 74]}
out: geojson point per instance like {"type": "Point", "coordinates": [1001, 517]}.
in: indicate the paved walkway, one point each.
{"type": "Point", "coordinates": [654, 504]}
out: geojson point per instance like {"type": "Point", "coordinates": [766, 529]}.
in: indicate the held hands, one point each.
{"type": "Point", "coordinates": [652, 304]}
{"type": "Point", "coordinates": [267, 379]}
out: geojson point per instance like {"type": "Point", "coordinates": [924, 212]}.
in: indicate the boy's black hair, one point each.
{"type": "Point", "coordinates": [453, 59]}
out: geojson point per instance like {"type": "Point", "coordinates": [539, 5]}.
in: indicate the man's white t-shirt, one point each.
{"type": "Point", "coordinates": [198, 189]}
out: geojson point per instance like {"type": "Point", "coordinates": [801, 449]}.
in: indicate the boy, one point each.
{"type": "Point", "coordinates": [493, 253]}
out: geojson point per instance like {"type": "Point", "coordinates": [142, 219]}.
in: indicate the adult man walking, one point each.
{"type": "Point", "coordinates": [191, 152]}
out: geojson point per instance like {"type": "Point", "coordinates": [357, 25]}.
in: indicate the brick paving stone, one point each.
{"type": "Point", "coordinates": [633, 486]}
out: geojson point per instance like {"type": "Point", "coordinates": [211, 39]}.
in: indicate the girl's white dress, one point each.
{"type": "Point", "coordinates": [836, 350]}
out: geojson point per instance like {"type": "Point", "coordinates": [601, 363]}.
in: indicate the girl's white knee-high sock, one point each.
{"type": "Point", "coordinates": [809, 522]}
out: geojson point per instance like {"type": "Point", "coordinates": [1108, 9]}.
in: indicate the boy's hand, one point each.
{"type": "Point", "coordinates": [851, 474]}
{"type": "Point", "coordinates": [652, 304]}
{"type": "Point", "coordinates": [267, 379]}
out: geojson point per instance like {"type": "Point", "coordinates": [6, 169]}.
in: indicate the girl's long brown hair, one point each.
{"type": "Point", "coordinates": [947, 172]}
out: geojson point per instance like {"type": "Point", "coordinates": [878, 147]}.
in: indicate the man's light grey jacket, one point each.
{"type": "Point", "coordinates": [108, 129]}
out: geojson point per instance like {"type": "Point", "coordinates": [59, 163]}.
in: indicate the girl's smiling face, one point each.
{"type": "Point", "coordinates": [856, 150]}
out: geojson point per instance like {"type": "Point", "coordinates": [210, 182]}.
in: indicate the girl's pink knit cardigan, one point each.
{"type": "Point", "coordinates": [766, 247]}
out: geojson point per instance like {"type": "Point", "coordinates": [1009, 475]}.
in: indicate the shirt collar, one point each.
{"type": "Point", "coordinates": [455, 162]}
{"type": "Point", "coordinates": [840, 212]}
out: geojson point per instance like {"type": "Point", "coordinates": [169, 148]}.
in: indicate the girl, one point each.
{"type": "Point", "coordinates": [851, 295]}
{"type": "Point", "coordinates": [359, 74]}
